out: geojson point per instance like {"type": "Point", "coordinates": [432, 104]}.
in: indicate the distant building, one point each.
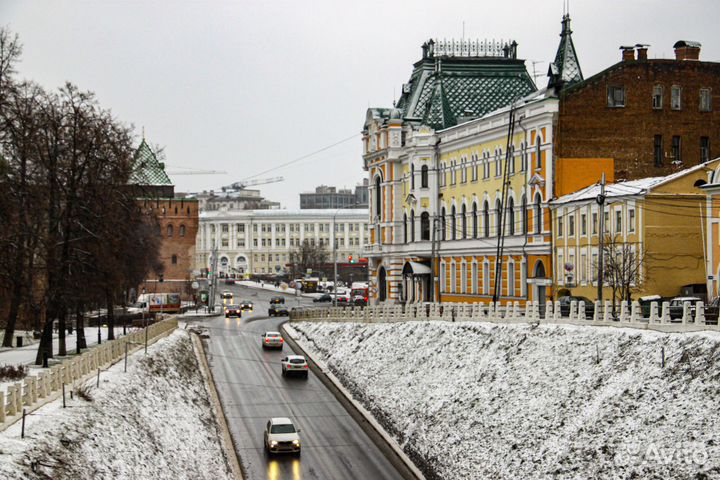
{"type": "Point", "coordinates": [234, 199]}
{"type": "Point", "coordinates": [178, 221]}
{"type": "Point", "coordinates": [330, 197]}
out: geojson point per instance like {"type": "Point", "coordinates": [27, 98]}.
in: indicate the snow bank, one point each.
{"type": "Point", "coordinates": [155, 421]}
{"type": "Point", "coordinates": [479, 400]}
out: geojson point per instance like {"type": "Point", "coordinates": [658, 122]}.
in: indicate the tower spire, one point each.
{"type": "Point", "coordinates": [565, 70]}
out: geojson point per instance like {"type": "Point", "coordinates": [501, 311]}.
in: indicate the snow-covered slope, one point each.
{"type": "Point", "coordinates": [479, 400]}
{"type": "Point", "coordinates": [153, 422]}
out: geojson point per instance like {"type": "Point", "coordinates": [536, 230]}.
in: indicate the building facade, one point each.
{"type": "Point", "coordinates": [261, 241]}
{"type": "Point", "coordinates": [234, 199]}
{"type": "Point", "coordinates": [653, 235]}
{"type": "Point", "coordinates": [330, 197]}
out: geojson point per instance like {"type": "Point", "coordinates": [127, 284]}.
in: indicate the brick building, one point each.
{"type": "Point", "coordinates": [177, 219]}
{"type": "Point", "coordinates": [639, 118]}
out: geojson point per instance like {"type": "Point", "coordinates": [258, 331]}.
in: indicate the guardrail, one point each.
{"type": "Point", "coordinates": [36, 390]}
{"type": "Point", "coordinates": [626, 315]}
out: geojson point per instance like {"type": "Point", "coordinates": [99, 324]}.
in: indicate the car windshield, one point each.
{"type": "Point", "coordinates": [283, 428]}
{"type": "Point", "coordinates": [272, 335]}
{"type": "Point", "coordinates": [297, 360]}
{"type": "Point", "coordinates": [230, 307]}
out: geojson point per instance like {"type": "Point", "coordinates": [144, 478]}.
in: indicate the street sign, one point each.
{"type": "Point", "coordinates": [309, 271]}
{"type": "Point", "coordinates": [195, 285]}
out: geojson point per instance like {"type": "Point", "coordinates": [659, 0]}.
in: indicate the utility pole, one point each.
{"type": "Point", "coordinates": [601, 235]}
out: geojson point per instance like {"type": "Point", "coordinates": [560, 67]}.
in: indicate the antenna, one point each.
{"type": "Point", "coordinates": [463, 34]}
{"type": "Point", "coordinates": [535, 74]}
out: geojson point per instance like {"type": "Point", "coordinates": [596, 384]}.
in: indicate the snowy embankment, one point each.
{"type": "Point", "coordinates": [155, 421]}
{"type": "Point", "coordinates": [480, 400]}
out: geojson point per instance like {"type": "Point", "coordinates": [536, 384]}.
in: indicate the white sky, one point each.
{"type": "Point", "coordinates": [243, 86]}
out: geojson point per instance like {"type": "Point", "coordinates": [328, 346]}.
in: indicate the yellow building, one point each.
{"type": "Point", "coordinates": [712, 233]}
{"type": "Point", "coordinates": [654, 226]}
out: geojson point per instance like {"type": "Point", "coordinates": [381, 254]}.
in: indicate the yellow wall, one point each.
{"type": "Point", "coordinates": [573, 174]}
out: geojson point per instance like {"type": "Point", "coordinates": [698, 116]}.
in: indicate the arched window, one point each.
{"type": "Point", "coordinates": [412, 177]}
{"type": "Point", "coordinates": [453, 223]}
{"type": "Point", "coordinates": [463, 221]}
{"type": "Point", "coordinates": [412, 225]}
{"type": "Point", "coordinates": [169, 230]}
{"type": "Point", "coordinates": [173, 259]}
{"type": "Point", "coordinates": [475, 221]}
{"type": "Point", "coordinates": [498, 217]}
{"type": "Point", "coordinates": [405, 237]}
{"type": "Point", "coordinates": [425, 226]}
{"type": "Point", "coordinates": [523, 156]}
{"type": "Point", "coordinates": [511, 216]}
{"type": "Point", "coordinates": [524, 215]}
{"type": "Point", "coordinates": [378, 197]}
{"type": "Point", "coordinates": [486, 219]}
{"type": "Point", "coordinates": [512, 159]}
{"type": "Point", "coordinates": [498, 168]}
{"type": "Point", "coordinates": [538, 213]}
{"type": "Point", "coordinates": [443, 225]}
{"type": "Point", "coordinates": [538, 154]}
{"type": "Point", "coordinates": [181, 230]}
{"type": "Point", "coordinates": [424, 177]}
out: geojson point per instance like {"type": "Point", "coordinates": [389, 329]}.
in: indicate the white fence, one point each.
{"type": "Point", "coordinates": [36, 390]}
{"type": "Point", "coordinates": [626, 315]}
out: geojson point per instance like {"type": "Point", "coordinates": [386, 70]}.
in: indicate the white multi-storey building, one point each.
{"type": "Point", "coordinates": [260, 241]}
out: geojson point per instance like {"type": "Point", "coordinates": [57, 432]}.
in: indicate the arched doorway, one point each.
{"type": "Point", "coordinates": [382, 284]}
{"type": "Point", "coordinates": [540, 288]}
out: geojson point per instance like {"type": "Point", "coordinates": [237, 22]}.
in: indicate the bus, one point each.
{"type": "Point", "coordinates": [359, 293]}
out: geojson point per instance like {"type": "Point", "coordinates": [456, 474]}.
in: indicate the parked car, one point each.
{"type": "Point", "coordinates": [294, 365]}
{"type": "Point", "coordinates": [229, 281]}
{"type": "Point", "coordinates": [677, 309]}
{"type": "Point", "coordinates": [565, 302]}
{"type": "Point", "coordinates": [343, 299]}
{"type": "Point", "coordinates": [272, 340]}
{"type": "Point", "coordinates": [281, 436]}
{"type": "Point", "coordinates": [276, 300]}
{"type": "Point", "coordinates": [359, 300]}
{"type": "Point", "coordinates": [323, 298]}
{"type": "Point", "coordinates": [246, 305]}
{"type": "Point", "coordinates": [278, 309]}
{"type": "Point", "coordinates": [232, 311]}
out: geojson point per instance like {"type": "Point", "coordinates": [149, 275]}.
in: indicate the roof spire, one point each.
{"type": "Point", "coordinates": [565, 70]}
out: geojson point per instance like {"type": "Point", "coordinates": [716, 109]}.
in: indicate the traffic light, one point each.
{"type": "Point", "coordinates": [350, 260]}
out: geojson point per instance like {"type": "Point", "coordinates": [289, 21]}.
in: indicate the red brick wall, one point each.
{"type": "Point", "coordinates": [588, 128]}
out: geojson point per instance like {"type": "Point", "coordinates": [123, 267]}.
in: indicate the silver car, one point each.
{"type": "Point", "coordinates": [281, 436]}
{"type": "Point", "coordinates": [294, 365]}
{"type": "Point", "coordinates": [272, 340]}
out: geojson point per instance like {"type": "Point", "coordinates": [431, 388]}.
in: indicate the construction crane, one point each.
{"type": "Point", "coordinates": [190, 171]}
{"type": "Point", "coordinates": [248, 183]}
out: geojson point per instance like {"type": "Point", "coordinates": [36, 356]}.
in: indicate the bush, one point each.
{"type": "Point", "coordinates": [13, 372]}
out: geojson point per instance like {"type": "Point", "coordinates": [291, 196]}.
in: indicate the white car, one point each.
{"type": "Point", "coordinates": [281, 436]}
{"type": "Point", "coordinates": [272, 340]}
{"type": "Point", "coordinates": [294, 365]}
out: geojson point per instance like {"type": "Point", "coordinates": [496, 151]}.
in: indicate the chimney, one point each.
{"type": "Point", "coordinates": [642, 50]}
{"type": "Point", "coordinates": [628, 53]}
{"type": "Point", "coordinates": [687, 50]}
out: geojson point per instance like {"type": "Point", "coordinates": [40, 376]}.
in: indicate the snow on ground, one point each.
{"type": "Point", "coordinates": [155, 421]}
{"type": "Point", "coordinates": [478, 400]}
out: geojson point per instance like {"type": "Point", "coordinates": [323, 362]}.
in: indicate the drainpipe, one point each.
{"type": "Point", "coordinates": [435, 253]}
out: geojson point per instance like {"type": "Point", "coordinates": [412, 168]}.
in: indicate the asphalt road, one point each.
{"type": "Point", "coordinates": [252, 390]}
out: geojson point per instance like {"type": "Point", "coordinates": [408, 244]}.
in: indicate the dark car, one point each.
{"type": "Point", "coordinates": [246, 305]}
{"type": "Point", "coordinates": [229, 281]}
{"type": "Point", "coordinates": [323, 298]}
{"type": "Point", "coordinates": [278, 310]}
{"type": "Point", "coordinates": [276, 300]}
{"type": "Point", "coordinates": [565, 305]}
{"type": "Point", "coordinates": [233, 311]}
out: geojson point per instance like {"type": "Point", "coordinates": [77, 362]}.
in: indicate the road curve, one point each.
{"type": "Point", "coordinates": [252, 390]}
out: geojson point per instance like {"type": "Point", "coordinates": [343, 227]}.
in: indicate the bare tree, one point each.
{"type": "Point", "coordinates": [622, 270]}
{"type": "Point", "coordinates": [308, 255]}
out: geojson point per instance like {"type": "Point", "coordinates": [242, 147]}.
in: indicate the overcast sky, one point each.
{"type": "Point", "coordinates": [244, 86]}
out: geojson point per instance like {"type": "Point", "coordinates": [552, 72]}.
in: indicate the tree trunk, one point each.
{"type": "Point", "coordinates": [62, 348]}
{"type": "Point", "coordinates": [12, 315]}
{"type": "Point", "coordinates": [110, 315]}
{"type": "Point", "coordinates": [80, 328]}
{"type": "Point", "coordinates": [45, 347]}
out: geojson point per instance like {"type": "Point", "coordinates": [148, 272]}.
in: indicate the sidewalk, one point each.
{"type": "Point", "coordinates": [272, 288]}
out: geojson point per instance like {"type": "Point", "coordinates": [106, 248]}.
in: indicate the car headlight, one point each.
{"type": "Point", "coordinates": [273, 443]}
{"type": "Point", "coordinates": [296, 443]}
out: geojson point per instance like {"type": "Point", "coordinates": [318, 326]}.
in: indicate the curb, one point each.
{"type": "Point", "coordinates": [365, 419]}
{"type": "Point", "coordinates": [225, 437]}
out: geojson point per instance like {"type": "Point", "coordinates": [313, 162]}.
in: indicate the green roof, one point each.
{"type": "Point", "coordinates": [565, 70]}
{"type": "Point", "coordinates": [147, 170]}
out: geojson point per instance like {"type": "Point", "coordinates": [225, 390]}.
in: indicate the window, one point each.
{"type": "Point", "coordinates": [474, 167]}
{"type": "Point", "coordinates": [453, 277]}
{"type": "Point", "coordinates": [378, 197]}
{"type": "Point", "coordinates": [412, 225]}
{"type": "Point", "coordinates": [463, 221]}
{"type": "Point", "coordinates": [463, 171]}
{"type": "Point", "coordinates": [594, 267]}
{"type": "Point", "coordinates": [474, 221]}
{"type": "Point", "coordinates": [425, 226]}
{"type": "Point", "coordinates": [538, 153]}
{"type": "Point", "coordinates": [498, 217]}
{"type": "Point", "coordinates": [583, 224]}
{"type": "Point", "coordinates": [582, 271]}
{"type": "Point", "coordinates": [618, 221]}
{"type": "Point", "coordinates": [538, 214]}
{"type": "Point", "coordinates": [676, 149]}
{"type": "Point", "coordinates": [615, 96]}
{"type": "Point", "coordinates": [511, 166]}
{"type": "Point", "coordinates": [561, 230]}
{"type": "Point", "coordinates": [658, 150]}
{"type": "Point", "coordinates": [657, 97]}
{"type": "Point", "coordinates": [510, 216]}
{"type": "Point", "coordinates": [486, 278]}
{"type": "Point", "coordinates": [571, 225]}
{"type": "Point", "coordinates": [705, 100]}
{"type": "Point", "coordinates": [498, 168]}
{"type": "Point", "coordinates": [524, 215]}
{"type": "Point", "coordinates": [704, 149]}
{"type": "Point", "coordinates": [453, 172]}
{"type": "Point", "coordinates": [631, 220]}
{"type": "Point", "coordinates": [474, 278]}
{"type": "Point", "coordinates": [523, 156]}
{"type": "Point", "coordinates": [511, 279]}
{"type": "Point", "coordinates": [486, 165]}
{"type": "Point", "coordinates": [169, 230]}
{"type": "Point", "coordinates": [453, 223]}
{"type": "Point", "coordinates": [463, 277]}
{"type": "Point", "coordinates": [486, 219]}
{"type": "Point", "coordinates": [606, 224]}
{"type": "Point", "coordinates": [424, 177]}
{"type": "Point", "coordinates": [676, 97]}
{"type": "Point", "coordinates": [181, 230]}
{"type": "Point", "coordinates": [405, 236]}
{"type": "Point", "coordinates": [443, 225]}
{"type": "Point", "coordinates": [443, 286]}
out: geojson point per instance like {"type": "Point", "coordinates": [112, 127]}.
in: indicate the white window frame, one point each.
{"type": "Point", "coordinates": [453, 276]}
{"type": "Point", "coordinates": [463, 279]}
{"type": "Point", "coordinates": [475, 273]}
{"type": "Point", "coordinates": [511, 278]}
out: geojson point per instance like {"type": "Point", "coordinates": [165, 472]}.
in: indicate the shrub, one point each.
{"type": "Point", "coordinates": [13, 372]}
